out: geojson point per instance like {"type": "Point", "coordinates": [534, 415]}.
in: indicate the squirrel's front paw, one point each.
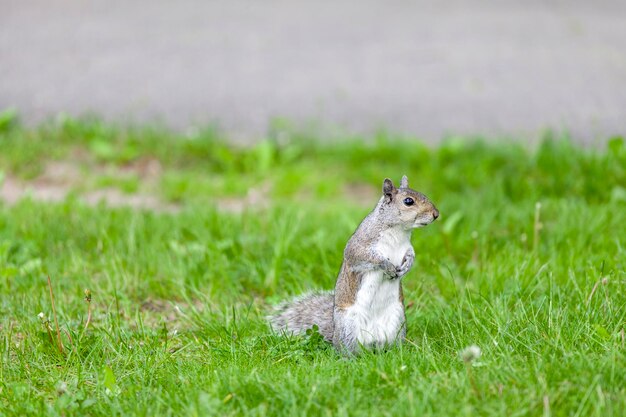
{"type": "Point", "coordinates": [407, 263]}
{"type": "Point", "coordinates": [392, 274]}
{"type": "Point", "coordinates": [390, 269]}
{"type": "Point", "coordinates": [401, 271]}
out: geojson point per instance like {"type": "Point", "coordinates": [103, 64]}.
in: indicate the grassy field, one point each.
{"type": "Point", "coordinates": [527, 262]}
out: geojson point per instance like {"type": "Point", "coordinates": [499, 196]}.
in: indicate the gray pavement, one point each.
{"type": "Point", "coordinates": [423, 68]}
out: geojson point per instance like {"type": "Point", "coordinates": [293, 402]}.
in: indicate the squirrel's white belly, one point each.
{"type": "Point", "coordinates": [393, 244]}
{"type": "Point", "coordinates": [377, 316]}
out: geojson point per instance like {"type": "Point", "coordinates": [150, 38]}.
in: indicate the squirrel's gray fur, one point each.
{"type": "Point", "coordinates": [367, 306]}
{"type": "Point", "coordinates": [307, 310]}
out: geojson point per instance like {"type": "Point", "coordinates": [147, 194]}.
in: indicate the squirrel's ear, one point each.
{"type": "Point", "coordinates": [388, 189]}
{"type": "Point", "coordinates": [405, 182]}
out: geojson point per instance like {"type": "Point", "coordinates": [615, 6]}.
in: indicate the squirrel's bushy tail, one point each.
{"type": "Point", "coordinates": [301, 313]}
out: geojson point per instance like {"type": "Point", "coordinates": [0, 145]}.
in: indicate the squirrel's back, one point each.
{"type": "Point", "coordinates": [298, 315]}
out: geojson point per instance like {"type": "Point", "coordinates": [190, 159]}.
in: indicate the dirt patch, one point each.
{"type": "Point", "coordinates": [59, 179]}
{"type": "Point", "coordinates": [161, 310]}
{"type": "Point", "coordinates": [362, 194]}
{"type": "Point", "coordinates": [146, 168]}
{"type": "Point", "coordinates": [13, 190]}
{"type": "Point", "coordinates": [176, 315]}
{"type": "Point", "coordinates": [255, 199]}
{"type": "Point", "coordinates": [115, 198]}
{"type": "Point", "coordinates": [12, 327]}
{"type": "Point", "coordinates": [59, 172]}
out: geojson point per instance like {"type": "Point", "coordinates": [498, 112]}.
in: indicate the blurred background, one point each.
{"type": "Point", "coordinates": [429, 69]}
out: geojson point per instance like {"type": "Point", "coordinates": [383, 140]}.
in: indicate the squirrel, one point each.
{"type": "Point", "coordinates": [366, 308]}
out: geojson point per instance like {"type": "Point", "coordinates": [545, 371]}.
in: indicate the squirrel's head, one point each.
{"type": "Point", "coordinates": [410, 208]}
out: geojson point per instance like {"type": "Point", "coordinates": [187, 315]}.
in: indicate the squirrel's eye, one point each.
{"type": "Point", "coordinates": [409, 201]}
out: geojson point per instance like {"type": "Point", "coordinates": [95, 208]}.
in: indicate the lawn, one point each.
{"type": "Point", "coordinates": [184, 242]}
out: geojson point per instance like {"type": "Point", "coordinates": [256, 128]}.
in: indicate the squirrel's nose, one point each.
{"type": "Point", "coordinates": [435, 214]}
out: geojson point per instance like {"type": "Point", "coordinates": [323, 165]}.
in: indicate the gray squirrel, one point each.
{"type": "Point", "coordinates": [367, 307]}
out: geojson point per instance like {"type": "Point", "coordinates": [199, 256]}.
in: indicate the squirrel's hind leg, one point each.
{"type": "Point", "coordinates": [345, 338]}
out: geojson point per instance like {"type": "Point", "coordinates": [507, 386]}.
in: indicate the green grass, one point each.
{"type": "Point", "coordinates": [179, 298]}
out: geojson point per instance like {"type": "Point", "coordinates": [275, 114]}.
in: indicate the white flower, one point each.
{"type": "Point", "coordinates": [470, 354]}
